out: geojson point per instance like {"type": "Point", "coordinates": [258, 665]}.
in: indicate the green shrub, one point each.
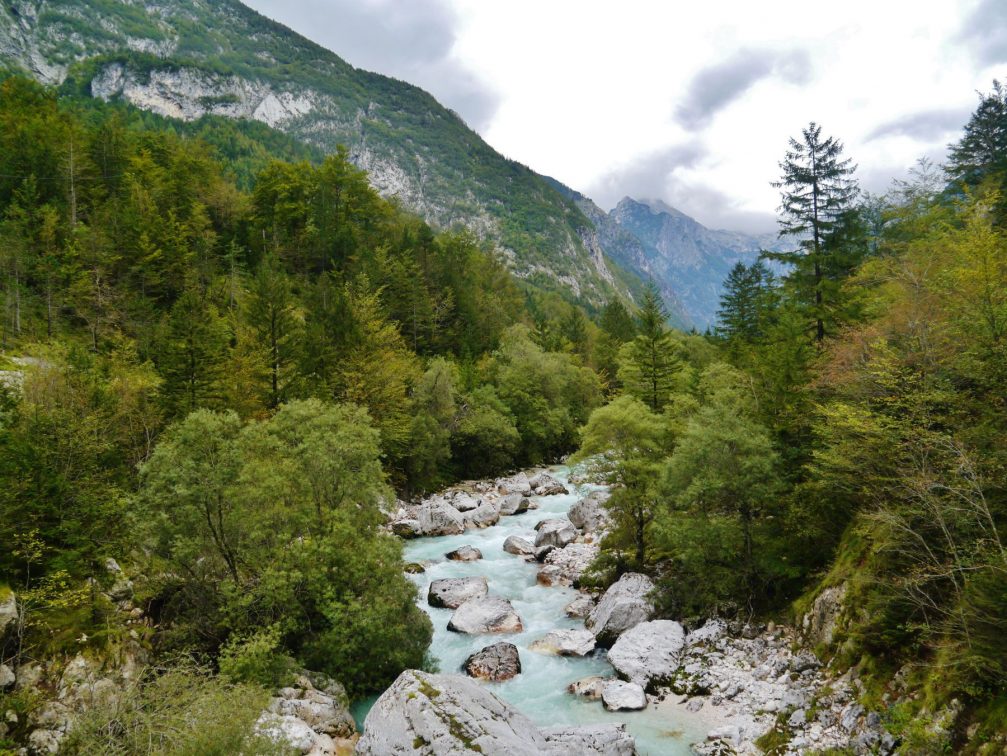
{"type": "Point", "coordinates": [257, 659]}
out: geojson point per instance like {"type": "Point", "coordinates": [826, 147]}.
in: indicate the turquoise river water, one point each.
{"type": "Point", "coordinates": [540, 690]}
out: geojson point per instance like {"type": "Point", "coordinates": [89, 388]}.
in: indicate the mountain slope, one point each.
{"type": "Point", "coordinates": [189, 58]}
{"type": "Point", "coordinates": [682, 254]}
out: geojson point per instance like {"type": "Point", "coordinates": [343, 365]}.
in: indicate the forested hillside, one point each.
{"type": "Point", "coordinates": [190, 58]}
{"type": "Point", "coordinates": [220, 370]}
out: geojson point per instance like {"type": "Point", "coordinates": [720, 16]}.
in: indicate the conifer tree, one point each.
{"type": "Point", "coordinates": [650, 362]}
{"type": "Point", "coordinates": [817, 198]}
{"type": "Point", "coordinates": [741, 316]}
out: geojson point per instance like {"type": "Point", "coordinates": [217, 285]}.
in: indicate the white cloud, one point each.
{"type": "Point", "coordinates": [694, 101]}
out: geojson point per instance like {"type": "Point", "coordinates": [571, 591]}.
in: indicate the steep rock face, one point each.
{"type": "Point", "coordinates": [189, 58]}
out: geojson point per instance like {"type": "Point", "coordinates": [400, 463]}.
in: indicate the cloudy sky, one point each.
{"type": "Point", "coordinates": [691, 103]}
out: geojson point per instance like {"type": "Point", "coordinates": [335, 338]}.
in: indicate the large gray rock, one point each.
{"type": "Point", "coordinates": [293, 734]}
{"type": "Point", "coordinates": [602, 739]}
{"type": "Point", "coordinates": [516, 484]}
{"type": "Point", "coordinates": [557, 532]}
{"type": "Point", "coordinates": [450, 715]}
{"type": "Point", "coordinates": [450, 593]}
{"type": "Point", "coordinates": [565, 643]}
{"type": "Point", "coordinates": [446, 715]}
{"type": "Point", "coordinates": [465, 502]}
{"type": "Point", "coordinates": [624, 605]}
{"type": "Point", "coordinates": [519, 546]}
{"type": "Point", "coordinates": [565, 566]}
{"type": "Point", "coordinates": [819, 625]}
{"type": "Point", "coordinates": [495, 663]}
{"type": "Point", "coordinates": [589, 513]}
{"type": "Point", "coordinates": [648, 651]}
{"type": "Point", "coordinates": [487, 614]}
{"type": "Point", "coordinates": [439, 518]}
{"type": "Point", "coordinates": [623, 696]}
{"type": "Point", "coordinates": [482, 516]}
{"type": "Point", "coordinates": [513, 504]}
{"type": "Point", "coordinates": [8, 609]}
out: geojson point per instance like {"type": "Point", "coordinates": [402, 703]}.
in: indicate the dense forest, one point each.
{"type": "Point", "coordinates": [227, 356]}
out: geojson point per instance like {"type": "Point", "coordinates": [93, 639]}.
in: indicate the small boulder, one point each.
{"type": "Point", "coordinates": [414, 568]}
{"type": "Point", "coordinates": [464, 554]}
{"type": "Point", "coordinates": [482, 516]}
{"type": "Point", "coordinates": [494, 663]}
{"type": "Point", "coordinates": [7, 677]}
{"type": "Point", "coordinates": [8, 609]}
{"type": "Point", "coordinates": [464, 502]}
{"type": "Point", "coordinates": [624, 605]}
{"type": "Point", "coordinates": [623, 696]}
{"type": "Point", "coordinates": [544, 484]}
{"type": "Point", "coordinates": [589, 687]}
{"type": "Point", "coordinates": [486, 614]}
{"type": "Point", "coordinates": [557, 532]}
{"type": "Point", "coordinates": [407, 528]}
{"type": "Point", "coordinates": [519, 546]}
{"type": "Point", "coordinates": [514, 504]}
{"type": "Point", "coordinates": [565, 643]}
{"type": "Point", "coordinates": [450, 593]}
{"type": "Point", "coordinates": [580, 607]}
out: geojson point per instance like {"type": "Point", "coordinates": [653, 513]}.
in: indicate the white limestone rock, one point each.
{"type": "Point", "coordinates": [450, 593]}
{"type": "Point", "coordinates": [565, 643]}
{"type": "Point", "coordinates": [486, 614]}
{"type": "Point", "coordinates": [648, 651]}
{"type": "Point", "coordinates": [623, 696]}
{"type": "Point", "coordinates": [624, 605]}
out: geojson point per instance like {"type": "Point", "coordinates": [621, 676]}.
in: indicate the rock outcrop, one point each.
{"type": "Point", "coordinates": [450, 593]}
{"type": "Point", "coordinates": [486, 614]}
{"type": "Point", "coordinates": [624, 605]}
{"type": "Point", "coordinates": [589, 514]}
{"type": "Point", "coordinates": [495, 663]}
{"type": "Point", "coordinates": [311, 716]}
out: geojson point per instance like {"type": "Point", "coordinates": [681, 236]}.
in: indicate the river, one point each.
{"type": "Point", "coordinates": [540, 690]}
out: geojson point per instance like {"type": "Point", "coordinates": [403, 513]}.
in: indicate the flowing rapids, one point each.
{"type": "Point", "coordinates": [540, 690]}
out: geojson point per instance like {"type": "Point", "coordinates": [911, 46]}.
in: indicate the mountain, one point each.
{"type": "Point", "coordinates": [191, 58]}
{"type": "Point", "coordinates": [682, 254]}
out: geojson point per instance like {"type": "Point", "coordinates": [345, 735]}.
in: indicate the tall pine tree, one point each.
{"type": "Point", "coordinates": [816, 203]}
{"type": "Point", "coordinates": [650, 362]}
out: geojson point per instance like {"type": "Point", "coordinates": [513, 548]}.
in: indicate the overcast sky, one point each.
{"type": "Point", "coordinates": [691, 103]}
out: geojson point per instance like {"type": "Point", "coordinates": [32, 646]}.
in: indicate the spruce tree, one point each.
{"type": "Point", "coordinates": [650, 362]}
{"type": "Point", "coordinates": [817, 196]}
{"type": "Point", "coordinates": [741, 316]}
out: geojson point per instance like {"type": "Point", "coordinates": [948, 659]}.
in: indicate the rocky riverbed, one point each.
{"type": "Point", "coordinates": [564, 671]}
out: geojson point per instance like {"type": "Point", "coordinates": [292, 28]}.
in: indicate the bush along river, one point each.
{"type": "Point", "coordinates": [526, 663]}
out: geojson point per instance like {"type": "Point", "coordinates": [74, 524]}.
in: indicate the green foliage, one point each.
{"type": "Point", "coordinates": [256, 659]}
{"type": "Point", "coordinates": [183, 710]}
{"type": "Point", "coordinates": [648, 364]}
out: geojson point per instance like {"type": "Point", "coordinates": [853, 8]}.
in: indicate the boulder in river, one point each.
{"type": "Point", "coordinates": [486, 614]}
{"type": "Point", "coordinates": [450, 593]}
{"type": "Point", "coordinates": [482, 516]}
{"type": "Point", "coordinates": [623, 696]}
{"type": "Point", "coordinates": [544, 484]}
{"type": "Point", "coordinates": [624, 605]}
{"type": "Point", "coordinates": [407, 528]}
{"type": "Point", "coordinates": [465, 502]}
{"type": "Point", "coordinates": [607, 739]}
{"type": "Point", "coordinates": [465, 554]}
{"type": "Point", "coordinates": [589, 513]}
{"type": "Point", "coordinates": [513, 504]}
{"type": "Point", "coordinates": [451, 715]}
{"type": "Point", "coordinates": [565, 643]}
{"type": "Point", "coordinates": [439, 518]}
{"type": "Point", "coordinates": [589, 687]}
{"type": "Point", "coordinates": [519, 546]}
{"type": "Point", "coordinates": [649, 651]}
{"type": "Point", "coordinates": [556, 532]}
{"type": "Point", "coordinates": [494, 663]}
{"type": "Point", "coordinates": [516, 484]}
